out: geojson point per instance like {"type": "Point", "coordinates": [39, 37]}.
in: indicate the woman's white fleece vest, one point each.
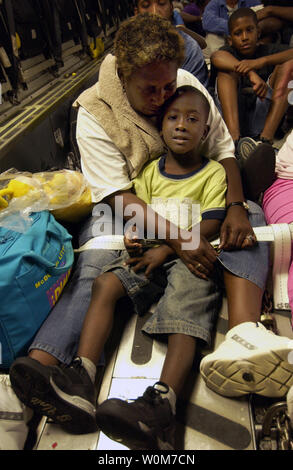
{"type": "Point", "coordinates": [136, 137]}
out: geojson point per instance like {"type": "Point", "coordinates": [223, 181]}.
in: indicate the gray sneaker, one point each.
{"type": "Point", "coordinates": [245, 146]}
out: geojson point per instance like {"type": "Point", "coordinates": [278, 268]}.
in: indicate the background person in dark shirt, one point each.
{"type": "Point", "coordinates": [246, 65]}
{"type": "Point", "coordinates": [276, 19]}
{"type": "Point", "coordinates": [192, 17]}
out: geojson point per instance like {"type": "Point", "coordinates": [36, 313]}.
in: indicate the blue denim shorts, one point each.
{"type": "Point", "coordinates": [186, 303]}
{"type": "Point", "coordinates": [252, 263]}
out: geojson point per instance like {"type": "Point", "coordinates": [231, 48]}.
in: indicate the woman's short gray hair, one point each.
{"type": "Point", "coordinates": [144, 39]}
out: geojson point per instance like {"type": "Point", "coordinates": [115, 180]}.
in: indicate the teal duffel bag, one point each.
{"type": "Point", "coordinates": [34, 268]}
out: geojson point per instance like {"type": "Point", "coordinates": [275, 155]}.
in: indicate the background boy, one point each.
{"type": "Point", "coordinates": [215, 20]}
{"type": "Point", "coordinates": [246, 65]}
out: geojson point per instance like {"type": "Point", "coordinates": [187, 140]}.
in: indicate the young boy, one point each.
{"type": "Point", "coordinates": [247, 75]}
{"type": "Point", "coordinates": [183, 175]}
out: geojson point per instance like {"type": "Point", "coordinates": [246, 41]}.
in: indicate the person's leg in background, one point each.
{"type": "Point", "coordinates": [227, 92]}
{"type": "Point", "coordinates": [277, 109]}
{"type": "Point", "coordinates": [278, 209]}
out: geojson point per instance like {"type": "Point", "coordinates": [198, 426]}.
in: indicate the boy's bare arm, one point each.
{"type": "Point", "coordinates": [143, 219]}
{"type": "Point", "coordinates": [210, 229]}
{"type": "Point", "coordinates": [224, 61]}
{"type": "Point", "coordinates": [245, 66]}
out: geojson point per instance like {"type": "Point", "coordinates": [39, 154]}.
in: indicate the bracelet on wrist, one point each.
{"type": "Point", "coordinates": [238, 203]}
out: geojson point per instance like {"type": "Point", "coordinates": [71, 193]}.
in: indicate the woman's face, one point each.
{"type": "Point", "coordinates": [150, 86]}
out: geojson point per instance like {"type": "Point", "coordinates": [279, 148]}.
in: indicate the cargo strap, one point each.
{"type": "Point", "coordinates": [280, 234]}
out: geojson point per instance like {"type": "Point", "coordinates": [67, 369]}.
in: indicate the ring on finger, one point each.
{"type": "Point", "coordinates": [198, 266]}
{"type": "Point", "coordinates": [249, 237]}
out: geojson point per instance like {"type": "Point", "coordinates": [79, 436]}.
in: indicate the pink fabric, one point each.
{"type": "Point", "coordinates": [284, 159]}
{"type": "Point", "coordinates": [278, 208]}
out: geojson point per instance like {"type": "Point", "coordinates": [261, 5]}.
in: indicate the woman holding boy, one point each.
{"type": "Point", "coordinates": [117, 135]}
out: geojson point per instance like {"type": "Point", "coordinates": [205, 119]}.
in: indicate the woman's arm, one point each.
{"type": "Point", "coordinates": [236, 226]}
{"type": "Point", "coordinates": [219, 146]}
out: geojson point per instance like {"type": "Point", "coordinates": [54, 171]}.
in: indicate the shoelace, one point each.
{"type": "Point", "coordinates": [76, 365]}
{"type": "Point", "coordinates": [151, 394]}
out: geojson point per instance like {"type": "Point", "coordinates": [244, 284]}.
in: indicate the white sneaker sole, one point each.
{"type": "Point", "coordinates": [266, 373]}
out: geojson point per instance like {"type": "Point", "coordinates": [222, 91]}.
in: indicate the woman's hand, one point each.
{"type": "Point", "coordinates": [201, 260]}
{"type": "Point", "coordinates": [236, 231]}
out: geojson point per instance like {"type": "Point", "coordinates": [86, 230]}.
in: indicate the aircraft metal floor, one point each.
{"type": "Point", "coordinates": [206, 421]}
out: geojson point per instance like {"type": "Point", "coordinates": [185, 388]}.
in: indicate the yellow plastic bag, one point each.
{"type": "Point", "coordinates": [76, 211]}
{"type": "Point", "coordinates": [64, 192]}
{"type": "Point", "coordinates": [13, 189]}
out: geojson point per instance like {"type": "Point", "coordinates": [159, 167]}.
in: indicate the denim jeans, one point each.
{"type": "Point", "coordinates": [186, 303]}
{"type": "Point", "coordinates": [59, 334]}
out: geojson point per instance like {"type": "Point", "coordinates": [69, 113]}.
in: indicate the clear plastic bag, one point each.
{"type": "Point", "coordinates": [64, 192]}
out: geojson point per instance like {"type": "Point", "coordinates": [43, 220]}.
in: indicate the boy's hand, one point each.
{"type": "Point", "coordinates": [150, 259]}
{"type": "Point", "coordinates": [246, 66]}
{"type": "Point", "coordinates": [132, 244]}
{"type": "Point", "coordinates": [259, 86]}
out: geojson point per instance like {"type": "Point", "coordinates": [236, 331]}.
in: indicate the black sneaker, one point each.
{"type": "Point", "coordinates": [30, 381]}
{"type": "Point", "coordinates": [58, 399]}
{"type": "Point", "coordinates": [76, 394]}
{"type": "Point", "coordinates": [144, 424]}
